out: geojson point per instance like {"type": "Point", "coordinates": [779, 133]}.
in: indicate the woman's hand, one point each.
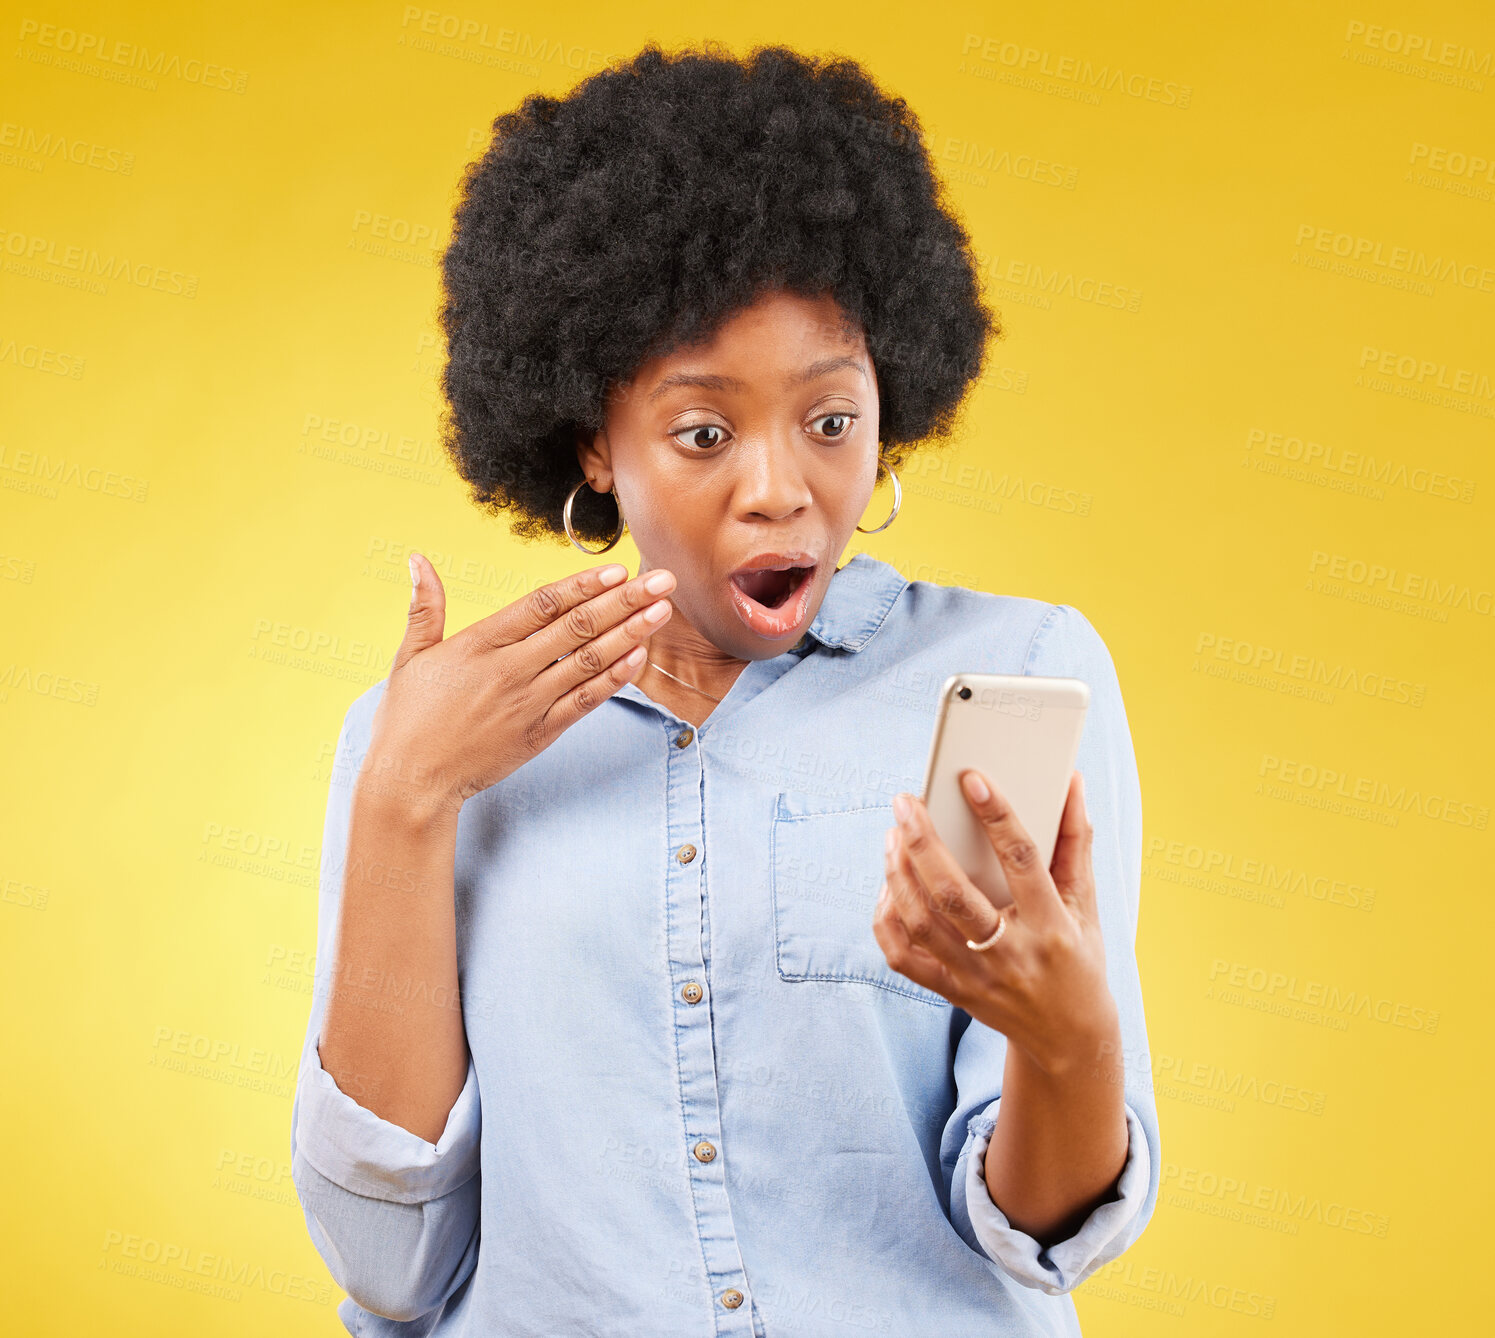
{"type": "Point", "coordinates": [1043, 983]}
{"type": "Point", "coordinates": [460, 714]}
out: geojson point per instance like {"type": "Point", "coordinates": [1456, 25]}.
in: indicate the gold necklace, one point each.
{"type": "Point", "coordinates": [677, 679]}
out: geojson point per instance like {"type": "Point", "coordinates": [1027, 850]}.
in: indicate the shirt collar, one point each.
{"type": "Point", "coordinates": [857, 600]}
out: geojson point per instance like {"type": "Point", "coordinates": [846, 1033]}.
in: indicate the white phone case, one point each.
{"type": "Point", "coordinates": [1023, 733]}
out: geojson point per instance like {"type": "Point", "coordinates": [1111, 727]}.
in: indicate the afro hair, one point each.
{"type": "Point", "coordinates": [635, 215]}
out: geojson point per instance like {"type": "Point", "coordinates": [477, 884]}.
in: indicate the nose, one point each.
{"type": "Point", "coordinates": [771, 484]}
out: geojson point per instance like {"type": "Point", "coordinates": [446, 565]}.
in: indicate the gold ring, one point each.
{"type": "Point", "coordinates": [996, 934]}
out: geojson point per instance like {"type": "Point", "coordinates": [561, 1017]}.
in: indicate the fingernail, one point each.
{"type": "Point", "coordinates": [887, 841]}
{"type": "Point", "coordinates": [658, 583]}
{"type": "Point", "coordinates": [976, 787]}
{"type": "Point", "coordinates": [414, 574]}
{"type": "Point", "coordinates": [902, 807]}
{"type": "Point", "coordinates": [612, 575]}
{"type": "Point", "coordinates": [657, 611]}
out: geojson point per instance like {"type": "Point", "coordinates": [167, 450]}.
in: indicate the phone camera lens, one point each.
{"type": "Point", "coordinates": [964, 694]}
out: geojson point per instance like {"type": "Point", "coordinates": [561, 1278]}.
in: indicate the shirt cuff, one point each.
{"type": "Point", "coordinates": [1062, 1266]}
{"type": "Point", "coordinates": [355, 1149]}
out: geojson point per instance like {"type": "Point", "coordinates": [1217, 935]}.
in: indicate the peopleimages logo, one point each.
{"type": "Point", "coordinates": [1024, 61]}
{"type": "Point", "coordinates": [1239, 1192]}
{"type": "Point", "coordinates": [1419, 46]}
{"type": "Point", "coordinates": [1259, 872]}
{"type": "Point", "coordinates": [1450, 593]}
{"type": "Point", "coordinates": [189, 1268]}
{"type": "Point", "coordinates": [1402, 259]}
{"type": "Point", "coordinates": [72, 48]}
{"type": "Point", "coordinates": [1322, 996]}
{"type": "Point", "coordinates": [1453, 161]}
{"type": "Point", "coordinates": [1308, 778]}
{"type": "Point", "coordinates": [1428, 372]}
{"type": "Point", "coordinates": [38, 256]}
{"type": "Point", "coordinates": [1265, 662]}
{"type": "Point", "coordinates": [1334, 459]}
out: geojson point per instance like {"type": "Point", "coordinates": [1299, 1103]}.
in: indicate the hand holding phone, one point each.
{"type": "Point", "coordinates": [1021, 731]}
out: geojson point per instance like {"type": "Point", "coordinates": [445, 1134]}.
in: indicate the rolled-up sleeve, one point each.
{"type": "Point", "coordinates": [1066, 645]}
{"type": "Point", "coordinates": [1060, 1267]}
{"type": "Point", "coordinates": [394, 1217]}
{"type": "Point", "coordinates": [352, 1147]}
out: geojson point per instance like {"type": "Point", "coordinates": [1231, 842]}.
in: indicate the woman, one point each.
{"type": "Point", "coordinates": [649, 1001]}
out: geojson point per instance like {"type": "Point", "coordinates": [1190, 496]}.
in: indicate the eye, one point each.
{"type": "Point", "coordinates": [691, 436]}
{"type": "Point", "coordinates": [842, 428]}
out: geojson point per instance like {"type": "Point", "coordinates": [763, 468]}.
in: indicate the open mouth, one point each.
{"type": "Point", "coordinates": [772, 589]}
{"type": "Point", "coordinates": [773, 600]}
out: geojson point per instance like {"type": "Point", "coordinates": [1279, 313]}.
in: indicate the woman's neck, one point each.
{"type": "Point", "coordinates": [686, 673]}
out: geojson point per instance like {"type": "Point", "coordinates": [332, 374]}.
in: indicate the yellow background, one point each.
{"type": "Point", "coordinates": [195, 582]}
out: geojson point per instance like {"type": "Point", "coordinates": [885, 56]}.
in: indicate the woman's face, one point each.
{"type": "Point", "coordinates": [761, 442]}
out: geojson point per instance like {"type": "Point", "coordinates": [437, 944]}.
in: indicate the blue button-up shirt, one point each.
{"type": "Point", "coordinates": [700, 1101]}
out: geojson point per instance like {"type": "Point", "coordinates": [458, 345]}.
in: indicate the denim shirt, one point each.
{"type": "Point", "coordinates": [699, 1100]}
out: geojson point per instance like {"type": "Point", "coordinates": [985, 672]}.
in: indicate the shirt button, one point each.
{"type": "Point", "coordinates": [690, 992]}
{"type": "Point", "coordinates": [685, 854]}
{"type": "Point", "coordinates": [682, 739]}
{"type": "Point", "coordinates": [704, 1151]}
{"type": "Point", "coordinates": [731, 1298]}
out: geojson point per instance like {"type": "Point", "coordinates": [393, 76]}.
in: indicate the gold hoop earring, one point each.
{"type": "Point", "coordinates": [897, 502]}
{"type": "Point", "coordinates": [571, 534]}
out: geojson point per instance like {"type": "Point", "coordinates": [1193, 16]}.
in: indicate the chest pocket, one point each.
{"type": "Point", "coordinates": [827, 869]}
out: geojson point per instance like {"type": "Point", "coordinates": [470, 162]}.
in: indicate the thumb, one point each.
{"type": "Point", "coordinates": [427, 615]}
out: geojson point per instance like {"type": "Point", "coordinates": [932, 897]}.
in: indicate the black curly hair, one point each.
{"type": "Point", "coordinates": [662, 195]}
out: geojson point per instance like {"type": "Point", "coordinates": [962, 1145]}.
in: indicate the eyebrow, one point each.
{"type": "Point", "coordinates": [704, 380]}
{"type": "Point", "coordinates": [825, 365]}
{"type": "Point", "coordinates": [708, 381]}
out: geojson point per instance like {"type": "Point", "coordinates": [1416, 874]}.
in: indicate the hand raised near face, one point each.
{"type": "Point", "coordinates": [460, 713]}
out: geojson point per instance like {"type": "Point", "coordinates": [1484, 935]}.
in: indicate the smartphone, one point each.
{"type": "Point", "coordinates": [1023, 733]}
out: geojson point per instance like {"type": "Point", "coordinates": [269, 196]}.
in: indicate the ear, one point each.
{"type": "Point", "coordinates": [594, 454]}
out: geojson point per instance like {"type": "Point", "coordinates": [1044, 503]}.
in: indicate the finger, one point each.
{"type": "Point", "coordinates": [426, 617]}
{"type": "Point", "coordinates": [925, 925]}
{"type": "Point", "coordinates": [543, 605]}
{"type": "Point", "coordinates": [593, 617]}
{"type": "Point", "coordinates": [1031, 885]}
{"type": "Point", "coordinates": [589, 660]}
{"type": "Point", "coordinates": [950, 890]}
{"type": "Point", "coordinates": [1072, 867]}
{"type": "Point", "coordinates": [589, 694]}
{"type": "Point", "coordinates": [906, 957]}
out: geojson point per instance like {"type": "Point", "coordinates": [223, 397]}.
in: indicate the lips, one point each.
{"type": "Point", "coordinates": [771, 591]}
